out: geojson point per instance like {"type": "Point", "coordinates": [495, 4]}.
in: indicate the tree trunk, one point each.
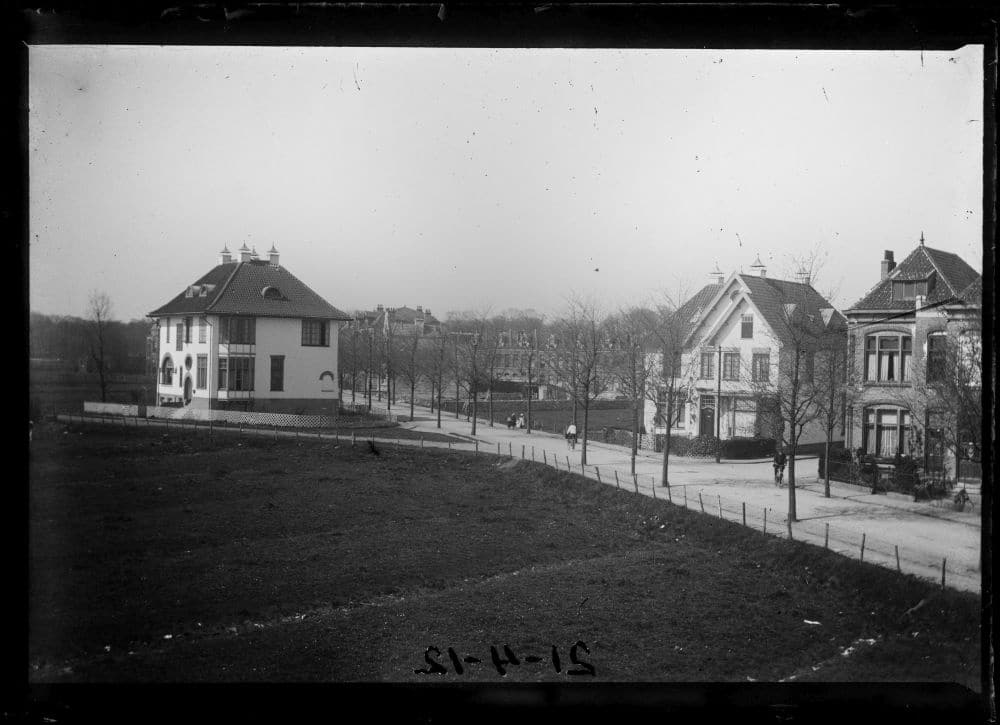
{"type": "Point", "coordinates": [528, 421]}
{"type": "Point", "coordinates": [826, 468]}
{"type": "Point", "coordinates": [413, 387]}
{"type": "Point", "coordinates": [440, 386]}
{"type": "Point", "coordinates": [666, 442]}
{"type": "Point", "coordinates": [491, 397]}
{"type": "Point", "coordinates": [586, 418]}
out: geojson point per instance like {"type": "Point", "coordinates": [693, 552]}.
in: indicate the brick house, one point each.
{"type": "Point", "coordinates": [903, 336]}
{"type": "Point", "coordinates": [248, 335]}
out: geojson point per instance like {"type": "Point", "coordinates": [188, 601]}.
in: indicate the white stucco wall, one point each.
{"type": "Point", "coordinates": [303, 364]}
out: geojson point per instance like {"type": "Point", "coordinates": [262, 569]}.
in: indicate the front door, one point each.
{"type": "Point", "coordinates": [187, 390]}
{"type": "Point", "coordinates": [707, 425]}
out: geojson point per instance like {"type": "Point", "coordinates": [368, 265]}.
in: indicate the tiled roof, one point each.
{"type": "Point", "coordinates": [238, 291]}
{"type": "Point", "coordinates": [686, 312]}
{"type": "Point", "coordinates": [775, 298]}
{"type": "Point", "coordinates": [973, 294]}
{"type": "Point", "coordinates": [953, 276]}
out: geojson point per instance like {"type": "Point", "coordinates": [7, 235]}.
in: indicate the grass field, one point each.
{"type": "Point", "coordinates": [169, 557]}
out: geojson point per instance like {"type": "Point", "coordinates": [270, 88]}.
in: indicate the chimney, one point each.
{"type": "Point", "coordinates": [802, 276]}
{"type": "Point", "coordinates": [759, 267]}
{"type": "Point", "coordinates": [245, 253]}
{"type": "Point", "coordinates": [272, 256]}
{"type": "Point", "coordinates": [380, 308]}
{"type": "Point", "coordinates": [717, 275]}
{"type": "Point", "coordinates": [253, 252]}
{"type": "Point", "coordinates": [888, 264]}
{"type": "Point", "coordinates": [420, 309]}
{"type": "Point", "coordinates": [225, 256]}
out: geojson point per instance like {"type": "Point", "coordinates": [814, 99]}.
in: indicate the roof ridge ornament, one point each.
{"type": "Point", "coordinates": [921, 237]}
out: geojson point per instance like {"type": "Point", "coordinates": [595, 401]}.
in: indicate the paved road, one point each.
{"type": "Point", "coordinates": [926, 536]}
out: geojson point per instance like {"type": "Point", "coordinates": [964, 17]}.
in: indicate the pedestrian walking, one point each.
{"type": "Point", "coordinates": [520, 420]}
{"type": "Point", "coordinates": [780, 459]}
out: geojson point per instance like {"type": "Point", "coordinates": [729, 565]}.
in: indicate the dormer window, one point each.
{"type": "Point", "coordinates": [272, 293]}
{"type": "Point", "coordinates": [904, 290]}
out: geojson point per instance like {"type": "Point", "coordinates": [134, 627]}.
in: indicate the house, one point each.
{"type": "Point", "coordinates": [913, 387]}
{"type": "Point", "coordinates": [738, 337]}
{"type": "Point", "coordinates": [403, 320]}
{"type": "Point", "coordinates": [248, 335]}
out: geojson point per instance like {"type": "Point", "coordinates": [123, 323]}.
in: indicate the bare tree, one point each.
{"type": "Point", "coordinates": [581, 362]}
{"type": "Point", "coordinates": [437, 363]}
{"type": "Point", "coordinates": [667, 332]}
{"type": "Point", "coordinates": [99, 315]}
{"type": "Point", "coordinates": [630, 334]}
{"type": "Point", "coordinates": [834, 382]}
{"type": "Point", "coordinates": [410, 363]}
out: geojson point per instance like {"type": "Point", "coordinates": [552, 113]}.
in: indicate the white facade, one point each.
{"type": "Point", "coordinates": [730, 387]}
{"type": "Point", "coordinates": [309, 380]}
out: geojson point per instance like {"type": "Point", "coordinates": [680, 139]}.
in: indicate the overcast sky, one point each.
{"type": "Point", "coordinates": [475, 178]}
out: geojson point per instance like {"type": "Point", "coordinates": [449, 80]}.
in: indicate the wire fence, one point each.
{"type": "Point", "coordinates": [846, 542]}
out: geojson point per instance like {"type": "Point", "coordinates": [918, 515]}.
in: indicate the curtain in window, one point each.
{"type": "Point", "coordinates": [888, 433]}
{"type": "Point", "coordinates": [870, 439]}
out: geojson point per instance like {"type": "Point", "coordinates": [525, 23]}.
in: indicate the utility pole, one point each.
{"type": "Point", "coordinates": [475, 392]}
{"type": "Point", "coordinates": [718, 409]}
{"type": "Point", "coordinates": [454, 339]}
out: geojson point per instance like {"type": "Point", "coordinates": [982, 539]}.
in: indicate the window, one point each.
{"type": "Point", "coordinates": [761, 369]}
{"type": "Point", "coordinates": [746, 327]}
{"type": "Point", "coordinates": [167, 371]}
{"type": "Point", "coordinates": [202, 330]}
{"type": "Point", "coordinates": [202, 376]}
{"type": "Point", "coordinates": [707, 366]}
{"type": "Point", "coordinates": [887, 357]}
{"type": "Point", "coordinates": [730, 366]}
{"type": "Point", "coordinates": [180, 336]}
{"type": "Point", "coordinates": [807, 365]}
{"type": "Point", "coordinates": [314, 333]}
{"type": "Point", "coordinates": [886, 432]}
{"type": "Point", "coordinates": [167, 325]}
{"type": "Point", "coordinates": [187, 329]}
{"type": "Point", "coordinates": [237, 331]}
{"type": "Point", "coordinates": [236, 373]}
{"type": "Point", "coordinates": [936, 357]}
{"type": "Point", "coordinates": [905, 290]}
{"type": "Point", "coordinates": [277, 372]}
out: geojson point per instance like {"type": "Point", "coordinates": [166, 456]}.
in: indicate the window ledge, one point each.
{"type": "Point", "coordinates": [886, 384]}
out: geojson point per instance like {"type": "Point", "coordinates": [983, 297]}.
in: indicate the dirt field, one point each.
{"type": "Point", "coordinates": [168, 557]}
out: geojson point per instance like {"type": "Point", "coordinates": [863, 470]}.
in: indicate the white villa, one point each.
{"type": "Point", "coordinates": [734, 342]}
{"type": "Point", "coordinates": [248, 335]}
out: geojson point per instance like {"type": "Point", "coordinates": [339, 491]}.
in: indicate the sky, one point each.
{"type": "Point", "coordinates": [488, 179]}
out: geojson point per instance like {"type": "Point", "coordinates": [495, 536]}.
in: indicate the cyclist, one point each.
{"type": "Point", "coordinates": [780, 459]}
{"type": "Point", "coordinates": [571, 435]}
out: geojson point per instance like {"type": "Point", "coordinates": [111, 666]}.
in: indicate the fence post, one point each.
{"type": "Point", "coordinates": [598, 470]}
{"type": "Point", "coordinates": [898, 568]}
{"type": "Point", "coordinates": [498, 448]}
{"type": "Point", "coordinates": [354, 438]}
{"type": "Point", "coordinates": [944, 563]}
{"type": "Point", "coordinates": [522, 452]}
{"type": "Point", "coordinates": [532, 454]}
{"type": "Point", "coordinates": [635, 481]}
{"type": "Point", "coordinates": [685, 497]}
{"type": "Point", "coordinates": [702, 503]}
{"type": "Point", "coordinates": [744, 513]}
{"type": "Point", "coordinates": [477, 446]}
{"type": "Point", "coordinates": [789, 520]}
{"type": "Point", "coordinates": [617, 484]}
{"type": "Point", "coordinates": [720, 507]}
{"type": "Point", "coordinates": [765, 519]}
{"type": "Point", "coordinates": [510, 449]}
{"type": "Point", "coordinates": [670, 497]}
{"type": "Point", "coordinates": [826, 537]}
{"type": "Point", "coordinates": [654, 488]}
{"type": "Point", "coordinates": [862, 546]}
{"type": "Point", "coordinates": [545, 458]}
{"type": "Point", "coordinates": [449, 445]}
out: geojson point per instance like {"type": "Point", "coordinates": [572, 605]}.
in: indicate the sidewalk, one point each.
{"type": "Point", "coordinates": [894, 531]}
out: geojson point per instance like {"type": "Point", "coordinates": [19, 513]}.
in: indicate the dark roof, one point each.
{"type": "Point", "coordinates": [973, 294]}
{"type": "Point", "coordinates": [954, 276]}
{"type": "Point", "coordinates": [700, 300]}
{"type": "Point", "coordinates": [772, 295]}
{"type": "Point", "coordinates": [238, 291]}
{"type": "Point", "coordinates": [404, 315]}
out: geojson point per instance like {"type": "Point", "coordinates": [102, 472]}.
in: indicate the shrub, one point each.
{"type": "Point", "coordinates": [748, 447]}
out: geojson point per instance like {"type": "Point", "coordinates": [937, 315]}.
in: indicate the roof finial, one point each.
{"type": "Point", "coordinates": [921, 238]}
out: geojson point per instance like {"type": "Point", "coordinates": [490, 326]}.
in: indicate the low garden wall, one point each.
{"type": "Point", "coordinates": [236, 417]}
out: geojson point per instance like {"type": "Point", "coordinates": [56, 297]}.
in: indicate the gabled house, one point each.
{"type": "Point", "coordinates": [402, 320]}
{"type": "Point", "coordinates": [739, 336]}
{"type": "Point", "coordinates": [249, 335]}
{"type": "Point", "coordinates": [916, 391]}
